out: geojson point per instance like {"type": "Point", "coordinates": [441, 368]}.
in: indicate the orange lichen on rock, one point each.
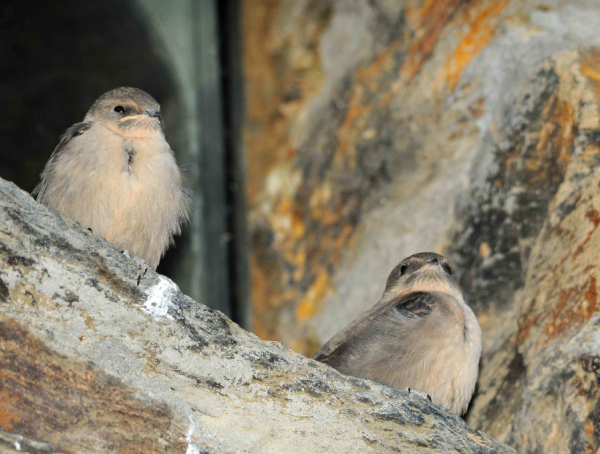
{"type": "Point", "coordinates": [528, 322]}
{"type": "Point", "coordinates": [282, 73]}
{"type": "Point", "coordinates": [575, 306]}
{"type": "Point", "coordinates": [7, 401]}
{"type": "Point", "coordinates": [590, 67]}
{"type": "Point", "coordinates": [340, 242]}
{"type": "Point", "coordinates": [49, 397]}
{"type": "Point", "coordinates": [552, 152]}
{"type": "Point", "coordinates": [556, 138]}
{"type": "Point", "coordinates": [593, 216]}
{"type": "Point", "coordinates": [308, 306]}
{"type": "Point", "coordinates": [481, 32]}
{"type": "Point", "coordinates": [432, 19]}
{"type": "Point", "coordinates": [269, 292]}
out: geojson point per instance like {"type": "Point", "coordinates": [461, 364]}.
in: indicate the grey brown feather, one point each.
{"type": "Point", "coordinates": [116, 174]}
{"type": "Point", "coordinates": [420, 335]}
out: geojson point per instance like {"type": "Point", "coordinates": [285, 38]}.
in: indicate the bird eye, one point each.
{"type": "Point", "coordinates": [447, 269]}
{"type": "Point", "coordinates": [403, 270]}
{"type": "Point", "coordinates": [119, 109]}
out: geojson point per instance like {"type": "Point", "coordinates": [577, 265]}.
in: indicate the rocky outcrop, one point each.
{"type": "Point", "coordinates": [526, 245]}
{"type": "Point", "coordinates": [90, 362]}
{"type": "Point", "coordinates": [470, 128]}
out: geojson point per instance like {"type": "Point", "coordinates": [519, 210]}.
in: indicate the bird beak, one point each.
{"type": "Point", "coordinates": [130, 117]}
{"type": "Point", "coordinates": [153, 114]}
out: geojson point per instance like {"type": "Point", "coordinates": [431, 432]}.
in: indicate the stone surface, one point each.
{"type": "Point", "coordinates": [469, 128]}
{"type": "Point", "coordinates": [90, 362]}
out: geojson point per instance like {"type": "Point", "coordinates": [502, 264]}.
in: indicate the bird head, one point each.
{"type": "Point", "coordinates": [127, 111]}
{"type": "Point", "coordinates": [426, 271]}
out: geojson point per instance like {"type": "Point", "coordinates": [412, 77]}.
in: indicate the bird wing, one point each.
{"type": "Point", "coordinates": [416, 304]}
{"type": "Point", "coordinates": [76, 130]}
{"type": "Point", "coordinates": [338, 345]}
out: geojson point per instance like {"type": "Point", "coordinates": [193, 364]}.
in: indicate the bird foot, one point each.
{"type": "Point", "coordinates": [422, 394]}
{"type": "Point", "coordinates": [141, 264]}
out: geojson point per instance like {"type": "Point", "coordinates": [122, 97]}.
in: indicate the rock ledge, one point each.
{"type": "Point", "coordinates": [91, 363]}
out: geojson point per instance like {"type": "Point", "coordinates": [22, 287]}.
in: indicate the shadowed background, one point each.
{"type": "Point", "coordinates": [57, 58]}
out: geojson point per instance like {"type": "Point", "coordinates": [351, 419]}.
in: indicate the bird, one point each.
{"type": "Point", "coordinates": [421, 335]}
{"type": "Point", "coordinates": [116, 175]}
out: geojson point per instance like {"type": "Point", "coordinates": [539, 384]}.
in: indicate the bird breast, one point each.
{"type": "Point", "coordinates": [451, 360]}
{"type": "Point", "coordinates": [440, 356]}
{"type": "Point", "coordinates": [127, 190]}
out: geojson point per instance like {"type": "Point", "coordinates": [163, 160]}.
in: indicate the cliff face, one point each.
{"type": "Point", "coordinates": [89, 362]}
{"type": "Point", "coordinates": [469, 128]}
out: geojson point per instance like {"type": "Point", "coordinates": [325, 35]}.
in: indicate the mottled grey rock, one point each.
{"type": "Point", "coordinates": [14, 444]}
{"type": "Point", "coordinates": [92, 363]}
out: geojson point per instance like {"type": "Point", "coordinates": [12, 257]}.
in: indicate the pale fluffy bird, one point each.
{"type": "Point", "coordinates": [116, 174]}
{"type": "Point", "coordinates": [421, 335]}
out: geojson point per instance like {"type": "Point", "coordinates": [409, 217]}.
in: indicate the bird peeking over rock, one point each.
{"type": "Point", "coordinates": [421, 335]}
{"type": "Point", "coordinates": [116, 175]}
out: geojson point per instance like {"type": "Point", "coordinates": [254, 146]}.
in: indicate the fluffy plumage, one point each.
{"type": "Point", "coordinates": [421, 335]}
{"type": "Point", "coordinates": [116, 174]}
